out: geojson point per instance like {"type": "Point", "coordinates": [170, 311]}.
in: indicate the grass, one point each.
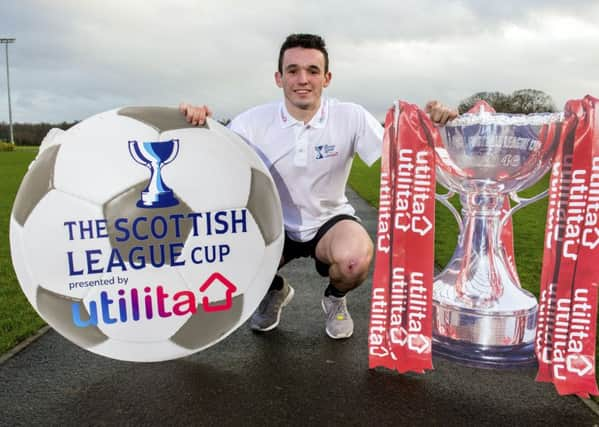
{"type": "Point", "coordinates": [18, 319]}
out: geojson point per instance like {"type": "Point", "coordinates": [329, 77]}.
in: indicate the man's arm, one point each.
{"type": "Point", "coordinates": [196, 115]}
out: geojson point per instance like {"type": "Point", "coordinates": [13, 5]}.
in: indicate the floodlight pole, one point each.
{"type": "Point", "coordinates": [6, 41]}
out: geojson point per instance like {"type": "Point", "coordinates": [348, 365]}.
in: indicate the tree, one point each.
{"type": "Point", "coordinates": [523, 101]}
{"type": "Point", "coordinates": [31, 133]}
{"type": "Point", "coordinates": [528, 101]}
{"type": "Point", "coordinates": [497, 100]}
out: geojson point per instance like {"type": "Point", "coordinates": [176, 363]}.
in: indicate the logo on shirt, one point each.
{"type": "Point", "coordinates": [325, 151]}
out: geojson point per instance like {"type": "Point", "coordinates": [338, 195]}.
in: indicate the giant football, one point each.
{"type": "Point", "coordinates": [140, 237]}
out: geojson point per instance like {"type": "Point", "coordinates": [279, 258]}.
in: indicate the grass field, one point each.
{"type": "Point", "coordinates": [18, 319]}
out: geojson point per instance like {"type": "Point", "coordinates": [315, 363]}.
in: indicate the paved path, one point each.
{"type": "Point", "coordinates": [294, 375]}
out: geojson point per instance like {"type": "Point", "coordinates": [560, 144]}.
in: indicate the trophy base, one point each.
{"type": "Point", "coordinates": [485, 338]}
{"type": "Point", "coordinates": [157, 200]}
{"type": "Point", "coordinates": [480, 356]}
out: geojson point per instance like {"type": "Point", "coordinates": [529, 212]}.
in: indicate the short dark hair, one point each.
{"type": "Point", "coordinates": [307, 41]}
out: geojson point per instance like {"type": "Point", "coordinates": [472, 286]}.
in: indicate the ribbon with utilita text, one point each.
{"type": "Point", "coordinates": [401, 317]}
{"type": "Point", "coordinates": [566, 327]}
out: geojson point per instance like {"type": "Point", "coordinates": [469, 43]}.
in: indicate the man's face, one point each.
{"type": "Point", "coordinates": [303, 77]}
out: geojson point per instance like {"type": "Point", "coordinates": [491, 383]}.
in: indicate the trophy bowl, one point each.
{"type": "Point", "coordinates": [481, 315]}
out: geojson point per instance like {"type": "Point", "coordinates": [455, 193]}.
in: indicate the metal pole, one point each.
{"type": "Point", "coordinates": [6, 42]}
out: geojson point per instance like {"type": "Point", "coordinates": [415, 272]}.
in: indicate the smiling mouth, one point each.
{"type": "Point", "coordinates": [302, 91]}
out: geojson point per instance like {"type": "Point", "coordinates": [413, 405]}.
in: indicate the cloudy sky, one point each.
{"type": "Point", "coordinates": [73, 59]}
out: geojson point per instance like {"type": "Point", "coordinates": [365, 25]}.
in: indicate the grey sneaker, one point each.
{"type": "Point", "coordinates": [268, 314]}
{"type": "Point", "coordinates": [339, 322]}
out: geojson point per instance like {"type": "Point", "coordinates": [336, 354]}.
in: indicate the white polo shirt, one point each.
{"type": "Point", "coordinates": [311, 163]}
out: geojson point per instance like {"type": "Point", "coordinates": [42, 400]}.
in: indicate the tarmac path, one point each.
{"type": "Point", "coordinates": [294, 375]}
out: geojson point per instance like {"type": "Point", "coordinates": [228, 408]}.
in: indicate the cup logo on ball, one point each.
{"type": "Point", "coordinates": [154, 156]}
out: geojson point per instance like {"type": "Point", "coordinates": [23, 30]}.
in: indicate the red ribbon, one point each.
{"type": "Point", "coordinates": [401, 311]}
{"type": "Point", "coordinates": [566, 331]}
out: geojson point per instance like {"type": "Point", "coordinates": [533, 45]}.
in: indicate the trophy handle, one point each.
{"type": "Point", "coordinates": [135, 154]}
{"type": "Point", "coordinates": [521, 202]}
{"type": "Point", "coordinates": [444, 199]}
{"type": "Point", "coordinates": [174, 153]}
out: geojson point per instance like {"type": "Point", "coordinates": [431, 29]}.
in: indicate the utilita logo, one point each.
{"type": "Point", "coordinates": [131, 306]}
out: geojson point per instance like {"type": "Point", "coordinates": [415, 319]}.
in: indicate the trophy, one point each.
{"type": "Point", "coordinates": [155, 155]}
{"type": "Point", "coordinates": [481, 315]}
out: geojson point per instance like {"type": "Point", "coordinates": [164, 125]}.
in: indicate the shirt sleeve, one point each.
{"type": "Point", "coordinates": [369, 139]}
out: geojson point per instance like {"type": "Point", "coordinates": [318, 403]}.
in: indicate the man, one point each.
{"type": "Point", "coordinates": [308, 143]}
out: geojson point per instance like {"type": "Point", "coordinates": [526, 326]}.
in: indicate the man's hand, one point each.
{"type": "Point", "coordinates": [439, 113]}
{"type": "Point", "coordinates": [196, 115]}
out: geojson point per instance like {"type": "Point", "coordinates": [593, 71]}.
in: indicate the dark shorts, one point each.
{"type": "Point", "coordinates": [294, 249]}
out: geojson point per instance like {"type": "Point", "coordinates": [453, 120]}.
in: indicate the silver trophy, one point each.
{"type": "Point", "coordinates": [481, 315]}
{"type": "Point", "coordinates": [154, 156]}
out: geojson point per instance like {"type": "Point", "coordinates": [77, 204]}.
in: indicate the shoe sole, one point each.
{"type": "Point", "coordinates": [335, 337]}
{"type": "Point", "coordinates": [283, 304]}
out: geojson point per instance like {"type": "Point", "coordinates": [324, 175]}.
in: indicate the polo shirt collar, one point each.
{"type": "Point", "coordinates": [318, 121]}
{"type": "Point", "coordinates": [321, 116]}
{"type": "Point", "coordinates": [285, 119]}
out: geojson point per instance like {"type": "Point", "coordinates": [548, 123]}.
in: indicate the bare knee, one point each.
{"type": "Point", "coordinates": [351, 269]}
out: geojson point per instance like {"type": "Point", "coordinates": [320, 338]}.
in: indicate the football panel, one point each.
{"type": "Point", "coordinates": [38, 181]}
{"type": "Point", "coordinates": [265, 206]}
{"type": "Point", "coordinates": [160, 118]}
{"type": "Point", "coordinates": [244, 148]}
{"type": "Point", "coordinates": [59, 311]}
{"type": "Point", "coordinates": [95, 161]}
{"type": "Point", "coordinates": [51, 139]}
{"type": "Point", "coordinates": [208, 173]}
{"type": "Point", "coordinates": [19, 261]}
{"type": "Point", "coordinates": [130, 226]}
{"type": "Point", "coordinates": [62, 243]}
{"type": "Point", "coordinates": [204, 328]}
{"type": "Point", "coordinates": [260, 282]}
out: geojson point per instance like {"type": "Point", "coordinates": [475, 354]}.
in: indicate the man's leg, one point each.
{"type": "Point", "coordinates": [347, 248]}
{"type": "Point", "coordinates": [268, 314]}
